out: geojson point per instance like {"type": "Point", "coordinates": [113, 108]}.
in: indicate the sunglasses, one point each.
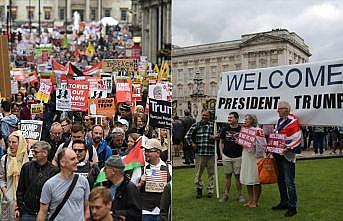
{"type": "Point", "coordinates": [79, 150]}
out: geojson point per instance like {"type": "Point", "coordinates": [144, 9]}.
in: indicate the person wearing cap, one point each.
{"type": "Point", "coordinates": [124, 124]}
{"type": "Point", "coordinates": [156, 174]}
{"type": "Point", "coordinates": [126, 198]}
{"type": "Point", "coordinates": [124, 112]}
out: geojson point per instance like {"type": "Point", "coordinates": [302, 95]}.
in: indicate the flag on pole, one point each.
{"type": "Point", "coordinates": [135, 158]}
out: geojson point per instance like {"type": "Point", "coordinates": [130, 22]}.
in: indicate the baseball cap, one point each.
{"type": "Point", "coordinates": [123, 122]}
{"type": "Point", "coordinates": [153, 144]}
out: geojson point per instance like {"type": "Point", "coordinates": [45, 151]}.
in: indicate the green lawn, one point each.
{"type": "Point", "coordinates": [319, 187]}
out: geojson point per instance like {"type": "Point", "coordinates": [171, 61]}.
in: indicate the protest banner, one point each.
{"type": "Point", "coordinates": [160, 113]}
{"type": "Point", "coordinates": [14, 87]}
{"type": "Point", "coordinates": [37, 108]}
{"type": "Point", "coordinates": [118, 65]}
{"type": "Point", "coordinates": [156, 180]}
{"type": "Point", "coordinates": [63, 99]}
{"type": "Point", "coordinates": [109, 82]}
{"type": "Point", "coordinates": [276, 143]}
{"type": "Point", "coordinates": [31, 129]}
{"type": "Point", "coordinates": [79, 94]}
{"type": "Point", "coordinates": [159, 91]}
{"type": "Point", "coordinates": [43, 94]}
{"type": "Point", "coordinates": [136, 91]}
{"type": "Point", "coordinates": [5, 83]}
{"type": "Point", "coordinates": [246, 137]}
{"type": "Point", "coordinates": [98, 94]}
{"type": "Point", "coordinates": [123, 90]}
{"type": "Point", "coordinates": [102, 106]}
{"type": "Point", "coordinates": [314, 91]}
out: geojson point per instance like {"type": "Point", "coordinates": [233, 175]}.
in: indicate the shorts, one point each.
{"type": "Point", "coordinates": [231, 165]}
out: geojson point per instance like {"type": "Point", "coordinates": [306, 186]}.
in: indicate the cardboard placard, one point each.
{"type": "Point", "coordinates": [102, 106]}
{"type": "Point", "coordinates": [119, 65]}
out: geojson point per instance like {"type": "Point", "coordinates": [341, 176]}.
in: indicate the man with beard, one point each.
{"type": "Point", "coordinates": [55, 139]}
{"type": "Point", "coordinates": [117, 142]}
{"type": "Point", "coordinates": [84, 167]}
{"type": "Point", "coordinates": [66, 124]}
{"type": "Point", "coordinates": [99, 143]}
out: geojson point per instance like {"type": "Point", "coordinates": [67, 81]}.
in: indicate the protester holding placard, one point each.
{"type": "Point", "coordinates": [289, 126]}
{"type": "Point", "coordinates": [251, 138]}
{"type": "Point", "coordinates": [22, 106]}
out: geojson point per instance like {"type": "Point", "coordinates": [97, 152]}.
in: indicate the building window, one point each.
{"type": "Point", "coordinates": [61, 13]}
{"type": "Point", "coordinates": [251, 64]}
{"type": "Point", "coordinates": [30, 12]}
{"type": "Point", "coordinates": [238, 66]}
{"type": "Point", "coordinates": [47, 13]}
{"type": "Point", "coordinates": [107, 12]}
{"type": "Point", "coordinates": [213, 69]}
{"type": "Point", "coordinates": [225, 67]}
{"type": "Point", "coordinates": [2, 13]}
{"type": "Point", "coordinates": [263, 62]}
{"type": "Point", "coordinates": [123, 14]}
{"type": "Point", "coordinates": [190, 73]}
{"type": "Point", "coordinates": [93, 14]}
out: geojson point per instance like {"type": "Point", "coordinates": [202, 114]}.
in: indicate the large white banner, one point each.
{"type": "Point", "coordinates": [314, 90]}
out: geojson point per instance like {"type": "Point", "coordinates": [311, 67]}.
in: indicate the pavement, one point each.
{"type": "Point", "coordinates": [305, 155]}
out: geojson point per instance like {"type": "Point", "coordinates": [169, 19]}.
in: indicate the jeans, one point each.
{"type": "Point", "coordinates": [28, 217]}
{"type": "Point", "coordinates": [318, 143]}
{"type": "Point", "coordinates": [148, 217]}
{"type": "Point", "coordinates": [286, 184]}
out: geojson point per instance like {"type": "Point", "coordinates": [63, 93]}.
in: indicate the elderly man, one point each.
{"type": "Point", "coordinates": [55, 139]}
{"type": "Point", "coordinates": [201, 137]}
{"type": "Point", "coordinates": [54, 190]}
{"type": "Point", "coordinates": [117, 143]}
{"type": "Point", "coordinates": [289, 126]}
{"type": "Point", "coordinates": [156, 176]}
{"type": "Point", "coordinates": [33, 175]}
{"type": "Point", "coordinates": [126, 199]}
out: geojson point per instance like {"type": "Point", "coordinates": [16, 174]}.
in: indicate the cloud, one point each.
{"type": "Point", "coordinates": [318, 22]}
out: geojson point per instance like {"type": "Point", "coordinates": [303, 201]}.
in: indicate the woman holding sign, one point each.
{"type": "Point", "coordinates": [252, 139]}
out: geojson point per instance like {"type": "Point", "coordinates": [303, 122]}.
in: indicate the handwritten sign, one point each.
{"type": "Point", "coordinates": [120, 65]}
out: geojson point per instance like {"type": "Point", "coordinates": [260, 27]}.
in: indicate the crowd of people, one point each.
{"type": "Point", "coordinates": [35, 176]}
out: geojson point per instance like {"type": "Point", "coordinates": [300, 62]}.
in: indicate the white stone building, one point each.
{"type": "Point", "coordinates": [197, 69]}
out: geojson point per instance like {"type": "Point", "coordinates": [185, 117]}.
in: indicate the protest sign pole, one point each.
{"type": "Point", "coordinates": [216, 161]}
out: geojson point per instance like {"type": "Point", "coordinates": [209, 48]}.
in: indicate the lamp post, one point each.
{"type": "Point", "coordinates": [198, 91]}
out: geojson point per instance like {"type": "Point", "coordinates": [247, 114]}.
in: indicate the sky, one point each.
{"type": "Point", "coordinates": [318, 22]}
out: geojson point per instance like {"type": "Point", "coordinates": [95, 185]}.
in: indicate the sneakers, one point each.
{"type": "Point", "coordinates": [198, 193]}
{"type": "Point", "coordinates": [280, 207]}
{"type": "Point", "coordinates": [241, 198]}
{"type": "Point", "coordinates": [291, 212]}
{"type": "Point", "coordinates": [224, 199]}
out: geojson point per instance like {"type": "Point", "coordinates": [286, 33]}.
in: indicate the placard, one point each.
{"type": "Point", "coordinates": [136, 91]}
{"type": "Point", "coordinates": [123, 90]}
{"type": "Point", "coordinates": [14, 87]}
{"type": "Point", "coordinates": [31, 129]}
{"type": "Point", "coordinates": [44, 92]}
{"type": "Point", "coordinates": [102, 106]}
{"type": "Point", "coordinates": [120, 65]}
{"type": "Point", "coordinates": [79, 94]}
{"type": "Point", "coordinates": [63, 99]}
{"type": "Point", "coordinates": [156, 180]}
{"type": "Point", "coordinates": [276, 143]}
{"type": "Point", "coordinates": [36, 108]}
{"type": "Point", "coordinates": [160, 113]}
{"type": "Point", "coordinates": [246, 137]}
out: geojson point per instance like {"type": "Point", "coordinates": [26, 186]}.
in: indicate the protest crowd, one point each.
{"type": "Point", "coordinates": [86, 133]}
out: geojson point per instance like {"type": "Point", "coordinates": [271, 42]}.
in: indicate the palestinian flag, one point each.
{"type": "Point", "coordinates": [135, 158]}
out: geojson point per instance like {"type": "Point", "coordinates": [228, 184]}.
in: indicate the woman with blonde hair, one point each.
{"type": "Point", "coordinates": [10, 166]}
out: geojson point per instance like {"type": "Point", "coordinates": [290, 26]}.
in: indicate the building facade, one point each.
{"type": "Point", "coordinates": [197, 69]}
{"type": "Point", "coordinates": [152, 18]}
{"type": "Point", "coordinates": [58, 11]}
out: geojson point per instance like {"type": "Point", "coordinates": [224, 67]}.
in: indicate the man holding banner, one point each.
{"type": "Point", "coordinates": [288, 126]}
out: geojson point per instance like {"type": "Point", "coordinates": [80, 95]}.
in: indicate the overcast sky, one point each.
{"type": "Point", "coordinates": [318, 22]}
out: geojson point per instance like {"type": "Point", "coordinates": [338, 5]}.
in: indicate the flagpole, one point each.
{"type": "Point", "coordinates": [216, 161]}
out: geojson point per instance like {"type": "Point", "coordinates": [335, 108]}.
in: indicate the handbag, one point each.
{"type": "Point", "coordinates": [267, 170]}
{"type": "Point", "coordinates": [65, 198]}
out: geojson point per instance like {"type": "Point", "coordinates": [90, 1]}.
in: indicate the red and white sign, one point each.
{"type": "Point", "coordinates": [123, 90]}
{"type": "Point", "coordinates": [79, 94]}
{"type": "Point", "coordinates": [136, 92]}
{"type": "Point", "coordinates": [276, 143]}
{"type": "Point", "coordinates": [246, 137]}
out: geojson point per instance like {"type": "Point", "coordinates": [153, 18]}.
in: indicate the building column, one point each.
{"type": "Point", "coordinates": [99, 9]}
{"type": "Point", "coordinates": [153, 34]}
{"type": "Point", "coordinates": [69, 15]}
{"type": "Point", "coordinates": [87, 11]}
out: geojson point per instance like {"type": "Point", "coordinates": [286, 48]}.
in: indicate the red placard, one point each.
{"type": "Point", "coordinates": [79, 94]}
{"type": "Point", "coordinates": [276, 143]}
{"type": "Point", "coordinates": [136, 92]}
{"type": "Point", "coordinates": [123, 90]}
{"type": "Point", "coordinates": [246, 137]}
